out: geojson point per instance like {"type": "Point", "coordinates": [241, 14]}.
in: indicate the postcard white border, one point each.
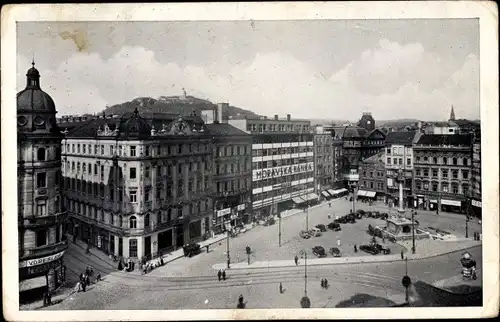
{"type": "Point", "coordinates": [487, 12]}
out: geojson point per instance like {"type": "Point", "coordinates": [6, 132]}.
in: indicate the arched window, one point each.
{"type": "Point", "coordinates": [58, 153]}
{"type": "Point", "coordinates": [146, 220]}
{"type": "Point", "coordinates": [445, 160]}
{"type": "Point", "coordinates": [465, 161]}
{"type": "Point", "coordinates": [132, 222]}
{"type": "Point", "coordinates": [40, 154]}
{"type": "Point", "coordinates": [455, 161]}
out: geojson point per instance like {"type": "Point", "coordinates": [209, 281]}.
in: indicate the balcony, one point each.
{"type": "Point", "coordinates": [45, 250]}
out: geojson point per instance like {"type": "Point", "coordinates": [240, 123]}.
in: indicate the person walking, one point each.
{"type": "Point", "coordinates": [91, 271]}
{"type": "Point", "coordinates": [355, 248]}
{"type": "Point", "coordinates": [402, 255]}
{"type": "Point", "coordinates": [281, 288]}
{"type": "Point", "coordinates": [84, 285]}
{"type": "Point", "coordinates": [322, 283]}
{"type": "Point", "coordinates": [49, 298]}
{"type": "Point", "coordinates": [296, 260]}
{"type": "Point", "coordinates": [326, 283]}
{"type": "Point", "coordinates": [98, 277]}
{"type": "Point", "coordinates": [87, 280]}
{"type": "Point", "coordinates": [224, 275]}
{"type": "Point", "coordinates": [219, 274]}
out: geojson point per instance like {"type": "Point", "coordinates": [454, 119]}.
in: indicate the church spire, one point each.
{"type": "Point", "coordinates": [452, 114]}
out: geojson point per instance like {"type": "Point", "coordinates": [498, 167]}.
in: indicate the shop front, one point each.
{"type": "Point", "coordinates": [477, 208]}
{"type": "Point", "coordinates": [451, 206]}
{"type": "Point", "coordinates": [221, 217]}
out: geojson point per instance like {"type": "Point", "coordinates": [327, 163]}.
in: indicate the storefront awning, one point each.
{"type": "Point", "coordinates": [341, 190]}
{"type": "Point", "coordinates": [370, 194]}
{"type": "Point", "coordinates": [361, 193]}
{"type": "Point", "coordinates": [451, 203]}
{"type": "Point", "coordinates": [325, 194]}
{"type": "Point", "coordinates": [33, 283]}
{"type": "Point", "coordinates": [298, 200]}
{"type": "Point", "coordinates": [313, 196]}
{"type": "Point", "coordinates": [332, 192]}
{"type": "Point", "coordinates": [433, 201]}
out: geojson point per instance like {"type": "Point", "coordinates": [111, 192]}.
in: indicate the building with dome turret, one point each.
{"type": "Point", "coordinates": [42, 241]}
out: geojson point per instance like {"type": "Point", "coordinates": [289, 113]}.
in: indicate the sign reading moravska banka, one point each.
{"type": "Point", "coordinates": [40, 261]}
{"type": "Point", "coordinates": [282, 171]}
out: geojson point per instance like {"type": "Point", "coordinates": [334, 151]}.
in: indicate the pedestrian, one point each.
{"type": "Point", "coordinates": [91, 271]}
{"type": "Point", "coordinates": [49, 298]}
{"type": "Point", "coordinates": [84, 286]}
{"type": "Point", "coordinates": [296, 260]}
{"type": "Point", "coordinates": [81, 277]}
{"type": "Point", "coordinates": [355, 248]}
{"type": "Point", "coordinates": [402, 256]}
{"type": "Point", "coordinates": [45, 299]}
{"type": "Point", "coordinates": [219, 274]}
{"type": "Point", "coordinates": [98, 277]}
{"type": "Point", "coordinates": [322, 283]}
{"type": "Point", "coordinates": [326, 283]}
{"type": "Point", "coordinates": [87, 280]}
{"type": "Point", "coordinates": [87, 271]}
{"type": "Point", "coordinates": [224, 275]}
{"type": "Point", "coordinates": [330, 205]}
{"type": "Point", "coordinates": [281, 288]}
{"type": "Point", "coordinates": [161, 261]}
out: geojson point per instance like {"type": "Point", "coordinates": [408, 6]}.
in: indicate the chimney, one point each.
{"type": "Point", "coordinates": [288, 117]}
{"type": "Point", "coordinates": [276, 117]}
{"type": "Point", "coordinates": [220, 109]}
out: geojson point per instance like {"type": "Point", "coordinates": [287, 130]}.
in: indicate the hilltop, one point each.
{"type": "Point", "coordinates": [174, 105]}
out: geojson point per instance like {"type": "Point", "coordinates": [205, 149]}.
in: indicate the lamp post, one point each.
{"type": "Point", "coordinates": [305, 302]}
{"type": "Point", "coordinates": [413, 248]}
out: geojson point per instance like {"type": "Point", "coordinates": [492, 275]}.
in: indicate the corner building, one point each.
{"type": "Point", "coordinates": [42, 242]}
{"type": "Point", "coordinates": [282, 163]}
{"type": "Point", "coordinates": [139, 187]}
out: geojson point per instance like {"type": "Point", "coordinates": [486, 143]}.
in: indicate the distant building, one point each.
{"type": "Point", "coordinates": [367, 122]}
{"type": "Point", "coordinates": [476, 175]}
{"type": "Point", "coordinates": [399, 155]}
{"type": "Point", "coordinates": [282, 162]}
{"type": "Point", "coordinates": [452, 114]}
{"type": "Point", "coordinates": [372, 181]}
{"type": "Point", "coordinates": [41, 216]}
{"type": "Point", "coordinates": [443, 171]}
{"type": "Point", "coordinates": [442, 128]}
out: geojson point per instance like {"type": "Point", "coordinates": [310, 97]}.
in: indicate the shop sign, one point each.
{"type": "Point", "coordinates": [241, 207]}
{"type": "Point", "coordinates": [41, 268]}
{"type": "Point", "coordinates": [40, 261]}
{"type": "Point", "coordinates": [476, 203]}
{"type": "Point", "coordinates": [281, 171]}
{"type": "Point", "coordinates": [223, 212]}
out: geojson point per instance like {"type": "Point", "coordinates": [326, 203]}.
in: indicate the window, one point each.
{"type": "Point", "coordinates": [41, 207]}
{"type": "Point", "coordinates": [454, 188]}
{"type": "Point", "coordinates": [388, 150]}
{"type": "Point", "coordinates": [417, 159]}
{"type": "Point", "coordinates": [190, 186]}
{"type": "Point", "coordinates": [418, 185]}
{"type": "Point", "coordinates": [132, 247]}
{"type": "Point", "coordinates": [426, 186]}
{"type": "Point", "coordinates": [425, 159]}
{"type": "Point", "coordinates": [95, 152]}
{"type": "Point", "coordinates": [445, 160]}
{"type": "Point", "coordinates": [444, 187]}
{"type": "Point", "coordinates": [132, 151]}
{"type": "Point", "coordinates": [179, 149]}
{"type": "Point", "coordinates": [132, 222]}
{"type": "Point", "coordinates": [158, 192]}
{"type": "Point", "coordinates": [426, 172]}
{"type": "Point", "coordinates": [465, 174]}
{"type": "Point", "coordinates": [147, 172]}
{"type": "Point", "coordinates": [434, 172]}
{"type": "Point", "coordinates": [455, 174]}
{"type": "Point", "coordinates": [435, 160]}
{"type": "Point", "coordinates": [102, 172]}
{"type": "Point", "coordinates": [147, 151]}
{"type": "Point", "coordinates": [41, 238]}
{"type": "Point", "coordinates": [120, 150]}
{"type": "Point", "coordinates": [388, 160]}
{"type": "Point", "coordinates": [95, 169]}
{"type": "Point", "coordinates": [146, 220]}
{"type": "Point", "coordinates": [40, 154]}
{"type": "Point", "coordinates": [408, 161]}
{"type": "Point", "coordinates": [102, 149]}
{"type": "Point", "coordinates": [434, 186]}
{"type": "Point", "coordinates": [455, 161]}
{"type": "Point", "coordinates": [179, 212]}
{"type": "Point", "coordinates": [180, 190]}
{"type": "Point", "coordinates": [133, 196]}
{"type": "Point", "coordinates": [41, 180]}
{"type": "Point", "coordinates": [445, 173]}
{"type": "Point", "coordinates": [112, 150]}
{"type": "Point", "coordinates": [84, 168]}
{"type": "Point", "coordinates": [400, 161]}
{"type": "Point", "coordinates": [78, 148]}
{"type": "Point", "coordinates": [169, 190]}
{"type": "Point", "coordinates": [465, 161]}
{"type": "Point", "coordinates": [84, 150]}
{"type": "Point", "coordinates": [133, 173]}
{"type": "Point", "coordinates": [179, 168]}
{"type": "Point", "coordinates": [146, 194]}
{"type": "Point", "coordinates": [417, 172]}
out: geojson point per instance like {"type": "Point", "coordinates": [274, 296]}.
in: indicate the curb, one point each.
{"type": "Point", "coordinates": [355, 263]}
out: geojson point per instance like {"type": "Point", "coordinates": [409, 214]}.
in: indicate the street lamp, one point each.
{"type": "Point", "coordinates": [305, 302]}
{"type": "Point", "coordinates": [413, 213]}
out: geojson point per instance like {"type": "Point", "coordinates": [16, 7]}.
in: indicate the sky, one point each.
{"type": "Point", "coordinates": [335, 69]}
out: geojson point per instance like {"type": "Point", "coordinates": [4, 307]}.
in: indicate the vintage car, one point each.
{"type": "Point", "coordinates": [321, 227]}
{"type": "Point", "coordinates": [315, 232]}
{"type": "Point", "coordinates": [370, 249]}
{"type": "Point", "coordinates": [334, 226]}
{"type": "Point", "coordinates": [305, 234]}
{"type": "Point", "coordinates": [319, 251]}
{"type": "Point", "coordinates": [384, 215]}
{"type": "Point", "coordinates": [191, 249]}
{"type": "Point", "coordinates": [335, 252]}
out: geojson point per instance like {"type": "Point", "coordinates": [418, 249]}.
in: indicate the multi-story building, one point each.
{"type": "Point", "coordinates": [372, 180]}
{"type": "Point", "coordinates": [442, 171]}
{"type": "Point", "coordinates": [137, 187]}
{"type": "Point", "coordinates": [232, 175]}
{"type": "Point", "coordinates": [399, 155]}
{"type": "Point", "coordinates": [323, 159]}
{"type": "Point", "coordinates": [476, 175]}
{"type": "Point", "coordinates": [338, 160]}
{"type": "Point", "coordinates": [282, 163]}
{"type": "Point", "coordinates": [42, 241]}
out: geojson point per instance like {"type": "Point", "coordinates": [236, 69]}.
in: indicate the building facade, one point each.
{"type": "Point", "coordinates": [372, 180]}
{"type": "Point", "coordinates": [443, 171]}
{"type": "Point", "coordinates": [42, 241]}
{"type": "Point", "coordinates": [323, 159]}
{"type": "Point", "coordinates": [367, 122]}
{"type": "Point", "coordinates": [139, 187]}
{"type": "Point", "coordinates": [476, 175]}
{"type": "Point", "coordinates": [399, 155]}
{"type": "Point", "coordinates": [282, 162]}
{"type": "Point", "coordinates": [232, 176]}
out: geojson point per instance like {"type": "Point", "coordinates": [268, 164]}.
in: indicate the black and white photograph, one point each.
{"type": "Point", "coordinates": [213, 157]}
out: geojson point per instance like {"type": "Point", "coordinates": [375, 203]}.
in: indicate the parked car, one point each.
{"type": "Point", "coordinates": [315, 232]}
{"type": "Point", "coordinates": [319, 251]}
{"type": "Point", "coordinates": [384, 216]}
{"type": "Point", "coordinates": [191, 249]}
{"type": "Point", "coordinates": [370, 249]}
{"type": "Point", "coordinates": [334, 226]}
{"type": "Point", "coordinates": [305, 234]}
{"type": "Point", "coordinates": [321, 227]}
{"type": "Point", "coordinates": [382, 249]}
{"type": "Point", "coordinates": [335, 252]}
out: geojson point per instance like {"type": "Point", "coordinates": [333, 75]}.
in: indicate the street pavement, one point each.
{"type": "Point", "coordinates": [260, 287]}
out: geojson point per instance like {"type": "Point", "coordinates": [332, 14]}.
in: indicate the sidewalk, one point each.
{"type": "Point", "coordinates": [96, 252]}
